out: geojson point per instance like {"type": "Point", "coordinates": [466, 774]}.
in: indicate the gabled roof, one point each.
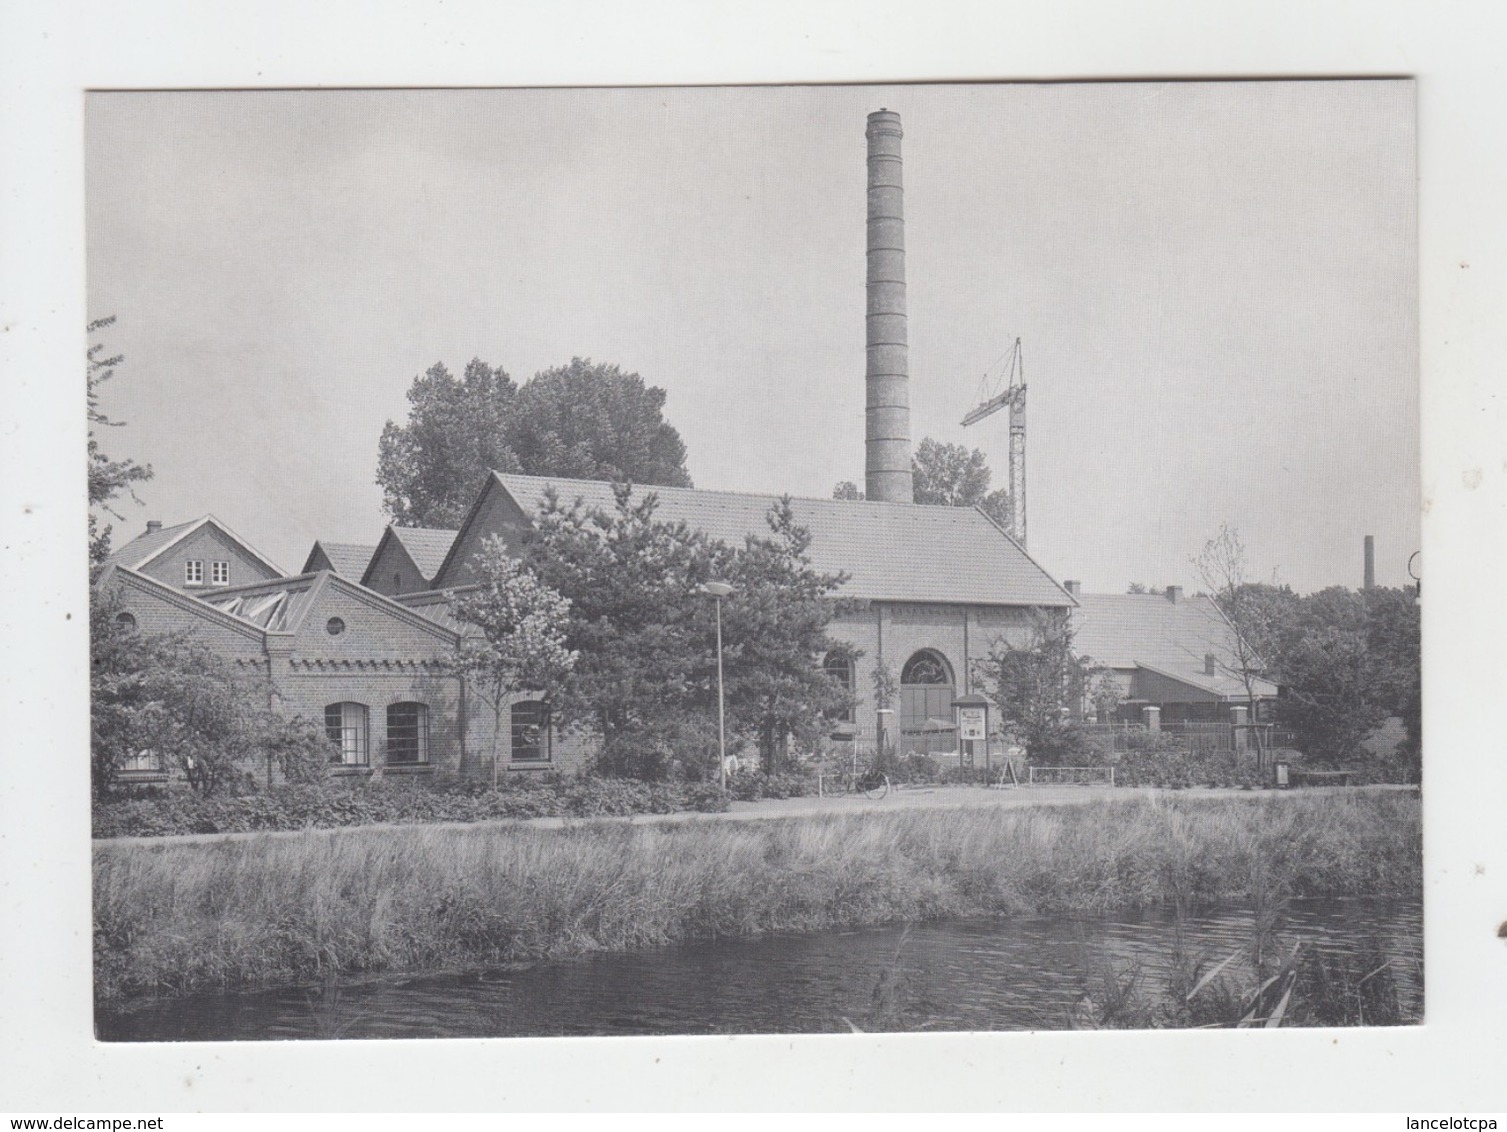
{"type": "Point", "coordinates": [1226, 685]}
{"type": "Point", "coordinates": [426, 548]}
{"type": "Point", "coordinates": [145, 547]}
{"type": "Point", "coordinates": [904, 552]}
{"type": "Point", "coordinates": [1151, 631]}
{"type": "Point", "coordinates": [348, 559]}
{"type": "Point", "coordinates": [113, 573]}
{"type": "Point", "coordinates": [282, 604]}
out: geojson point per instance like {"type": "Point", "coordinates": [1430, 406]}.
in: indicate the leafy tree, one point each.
{"type": "Point", "coordinates": [582, 420]}
{"type": "Point", "coordinates": [777, 618]}
{"type": "Point", "coordinates": [108, 479]}
{"type": "Point", "coordinates": [1394, 659]}
{"type": "Point", "coordinates": [1036, 686]}
{"type": "Point", "coordinates": [519, 638]}
{"type": "Point", "coordinates": [646, 678]}
{"type": "Point", "coordinates": [431, 468]}
{"type": "Point", "coordinates": [595, 422]}
{"type": "Point", "coordinates": [172, 696]}
{"type": "Point", "coordinates": [1328, 704]}
{"type": "Point", "coordinates": [948, 475]}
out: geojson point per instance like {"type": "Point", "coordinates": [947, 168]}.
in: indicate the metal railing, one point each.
{"type": "Point", "coordinates": [1197, 736]}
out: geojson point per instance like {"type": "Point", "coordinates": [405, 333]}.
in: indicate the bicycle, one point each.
{"type": "Point", "coordinates": [871, 782]}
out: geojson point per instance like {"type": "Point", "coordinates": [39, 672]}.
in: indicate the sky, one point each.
{"type": "Point", "coordinates": [1215, 285]}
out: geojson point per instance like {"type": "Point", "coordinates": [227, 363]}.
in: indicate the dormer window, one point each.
{"type": "Point", "coordinates": [193, 572]}
{"type": "Point", "coordinates": [219, 573]}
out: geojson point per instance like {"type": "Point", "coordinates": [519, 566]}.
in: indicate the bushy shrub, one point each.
{"type": "Point", "coordinates": [752, 786]}
{"type": "Point", "coordinates": [331, 804]}
{"type": "Point", "coordinates": [1158, 759]}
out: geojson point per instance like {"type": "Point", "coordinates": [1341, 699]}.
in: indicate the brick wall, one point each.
{"type": "Point", "coordinates": [896, 631]}
{"type": "Point", "coordinates": [207, 544]}
{"type": "Point", "coordinates": [392, 571]}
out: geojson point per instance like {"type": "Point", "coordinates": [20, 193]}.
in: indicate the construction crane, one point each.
{"type": "Point", "coordinates": [1014, 395]}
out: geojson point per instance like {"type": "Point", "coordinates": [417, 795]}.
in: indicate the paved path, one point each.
{"type": "Point", "coordinates": [920, 798]}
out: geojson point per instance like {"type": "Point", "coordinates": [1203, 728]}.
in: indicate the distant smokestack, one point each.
{"type": "Point", "coordinates": [1370, 562]}
{"type": "Point", "coordinates": [887, 471]}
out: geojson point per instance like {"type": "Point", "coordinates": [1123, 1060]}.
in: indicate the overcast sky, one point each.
{"type": "Point", "coordinates": [1215, 285]}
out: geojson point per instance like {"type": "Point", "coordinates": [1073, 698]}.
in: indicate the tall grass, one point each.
{"type": "Point", "coordinates": [173, 918]}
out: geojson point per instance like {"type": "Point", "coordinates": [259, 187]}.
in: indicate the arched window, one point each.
{"type": "Point", "coordinates": [839, 666]}
{"type": "Point", "coordinates": [407, 734]}
{"type": "Point", "coordinates": [926, 695]}
{"type": "Point", "coordinates": [345, 727]}
{"type": "Point", "coordinates": [532, 737]}
{"type": "Point", "coordinates": [926, 667]}
{"type": "Point", "coordinates": [126, 621]}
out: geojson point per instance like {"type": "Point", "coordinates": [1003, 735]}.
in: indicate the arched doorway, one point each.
{"type": "Point", "coordinates": [926, 693]}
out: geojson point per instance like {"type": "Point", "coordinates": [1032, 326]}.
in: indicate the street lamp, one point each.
{"type": "Point", "coordinates": [720, 590]}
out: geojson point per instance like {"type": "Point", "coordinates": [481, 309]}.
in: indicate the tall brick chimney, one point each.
{"type": "Point", "coordinates": [887, 474]}
{"type": "Point", "coordinates": [1370, 562]}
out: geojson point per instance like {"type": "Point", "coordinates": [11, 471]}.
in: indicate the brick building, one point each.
{"type": "Point", "coordinates": [195, 557]}
{"type": "Point", "coordinates": [936, 586]}
{"type": "Point", "coordinates": [1169, 652]}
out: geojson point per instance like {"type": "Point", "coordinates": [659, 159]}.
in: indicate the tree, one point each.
{"type": "Point", "coordinates": [948, 475]}
{"type": "Point", "coordinates": [1253, 621]}
{"type": "Point", "coordinates": [519, 639]}
{"type": "Point", "coordinates": [108, 479]}
{"type": "Point", "coordinates": [646, 678]}
{"type": "Point", "coordinates": [595, 422]}
{"type": "Point", "coordinates": [1394, 663]}
{"type": "Point", "coordinates": [777, 686]}
{"type": "Point", "coordinates": [191, 709]}
{"type": "Point", "coordinates": [1329, 704]}
{"type": "Point", "coordinates": [431, 468]}
{"type": "Point", "coordinates": [582, 421]}
{"type": "Point", "coordinates": [1036, 686]}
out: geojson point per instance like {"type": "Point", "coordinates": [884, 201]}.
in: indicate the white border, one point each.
{"type": "Point", "coordinates": [50, 52]}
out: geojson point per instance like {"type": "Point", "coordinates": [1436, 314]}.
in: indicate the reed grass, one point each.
{"type": "Point", "coordinates": [174, 918]}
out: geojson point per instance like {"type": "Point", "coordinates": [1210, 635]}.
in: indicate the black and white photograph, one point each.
{"type": "Point", "coordinates": [714, 560]}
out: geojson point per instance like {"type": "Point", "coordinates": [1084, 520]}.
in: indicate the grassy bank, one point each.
{"type": "Point", "coordinates": [173, 918]}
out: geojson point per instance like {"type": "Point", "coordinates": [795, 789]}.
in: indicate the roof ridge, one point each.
{"type": "Point", "coordinates": [732, 491]}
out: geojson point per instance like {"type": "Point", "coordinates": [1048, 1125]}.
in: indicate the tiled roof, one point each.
{"type": "Point", "coordinates": [891, 551]}
{"type": "Point", "coordinates": [348, 559]}
{"type": "Point", "coordinates": [144, 547]}
{"type": "Point", "coordinates": [149, 544]}
{"type": "Point", "coordinates": [427, 546]}
{"type": "Point", "coordinates": [1151, 631]}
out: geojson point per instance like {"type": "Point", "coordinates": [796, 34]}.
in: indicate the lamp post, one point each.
{"type": "Point", "coordinates": [720, 590]}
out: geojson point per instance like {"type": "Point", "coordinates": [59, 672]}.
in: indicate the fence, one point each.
{"type": "Point", "coordinates": [1201, 737]}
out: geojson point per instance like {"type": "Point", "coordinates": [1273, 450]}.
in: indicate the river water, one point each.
{"type": "Point", "coordinates": [1021, 974]}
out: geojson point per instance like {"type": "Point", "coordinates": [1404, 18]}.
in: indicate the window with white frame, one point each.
{"type": "Point", "coordinates": [219, 573]}
{"type": "Point", "coordinates": [345, 727]}
{"type": "Point", "coordinates": [408, 734]}
{"type": "Point", "coordinates": [193, 572]}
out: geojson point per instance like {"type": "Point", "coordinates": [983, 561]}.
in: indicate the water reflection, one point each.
{"type": "Point", "coordinates": [1029, 973]}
